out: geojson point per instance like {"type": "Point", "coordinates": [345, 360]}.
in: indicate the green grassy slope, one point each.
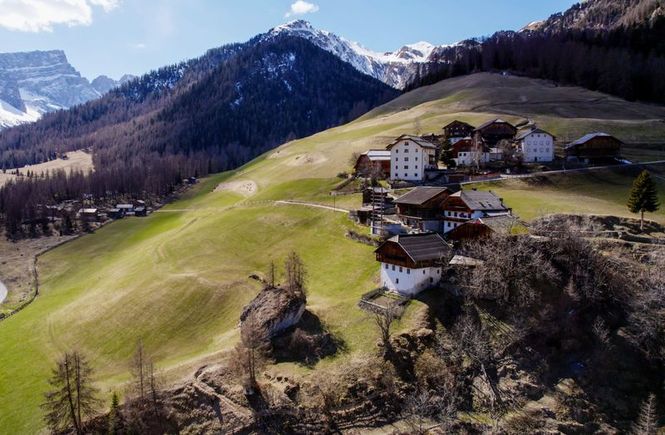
{"type": "Point", "coordinates": [179, 278]}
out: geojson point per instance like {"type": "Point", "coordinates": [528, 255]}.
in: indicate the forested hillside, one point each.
{"type": "Point", "coordinates": [615, 47]}
{"type": "Point", "coordinates": [207, 115]}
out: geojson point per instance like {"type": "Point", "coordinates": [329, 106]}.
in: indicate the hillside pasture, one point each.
{"type": "Point", "coordinates": [179, 278]}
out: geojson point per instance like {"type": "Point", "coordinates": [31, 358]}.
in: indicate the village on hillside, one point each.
{"type": "Point", "coordinates": [420, 228]}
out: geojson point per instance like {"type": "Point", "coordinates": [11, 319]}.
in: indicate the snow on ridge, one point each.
{"type": "Point", "coordinates": [394, 68]}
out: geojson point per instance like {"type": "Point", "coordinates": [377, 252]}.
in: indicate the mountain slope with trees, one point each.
{"type": "Point", "coordinates": [614, 47]}
{"type": "Point", "coordinates": [199, 117]}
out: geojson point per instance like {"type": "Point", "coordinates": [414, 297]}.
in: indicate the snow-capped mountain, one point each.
{"type": "Point", "coordinates": [38, 82]}
{"type": "Point", "coordinates": [395, 68]}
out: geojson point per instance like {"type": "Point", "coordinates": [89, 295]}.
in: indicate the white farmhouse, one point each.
{"type": "Point", "coordinates": [410, 156]}
{"type": "Point", "coordinates": [536, 145]}
{"type": "Point", "coordinates": [412, 263]}
{"type": "Point", "coordinates": [465, 205]}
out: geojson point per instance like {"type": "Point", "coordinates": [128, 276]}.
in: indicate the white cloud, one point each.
{"type": "Point", "coordinates": [301, 7]}
{"type": "Point", "coordinates": [139, 46]}
{"type": "Point", "coordinates": [107, 5]}
{"type": "Point", "coordinates": [42, 15]}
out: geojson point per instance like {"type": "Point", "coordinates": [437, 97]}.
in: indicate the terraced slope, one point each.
{"type": "Point", "coordinates": [179, 278]}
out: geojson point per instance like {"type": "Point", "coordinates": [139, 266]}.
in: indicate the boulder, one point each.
{"type": "Point", "coordinates": [274, 310]}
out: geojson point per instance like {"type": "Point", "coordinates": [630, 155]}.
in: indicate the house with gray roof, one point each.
{"type": "Point", "coordinates": [410, 157]}
{"type": "Point", "coordinates": [466, 205]}
{"type": "Point", "coordinates": [411, 263]}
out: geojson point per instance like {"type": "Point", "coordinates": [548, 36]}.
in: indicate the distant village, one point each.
{"type": "Point", "coordinates": [422, 227]}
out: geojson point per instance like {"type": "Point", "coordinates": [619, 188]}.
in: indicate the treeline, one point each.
{"type": "Point", "coordinates": [188, 120]}
{"type": "Point", "coordinates": [26, 202]}
{"type": "Point", "coordinates": [627, 62]}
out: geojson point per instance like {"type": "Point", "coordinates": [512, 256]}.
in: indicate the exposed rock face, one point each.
{"type": "Point", "coordinates": [274, 310]}
{"type": "Point", "coordinates": [103, 84]}
{"type": "Point", "coordinates": [396, 68]}
{"type": "Point", "coordinates": [38, 82]}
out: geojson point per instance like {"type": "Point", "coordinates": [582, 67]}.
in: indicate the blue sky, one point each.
{"type": "Point", "coordinates": [115, 37]}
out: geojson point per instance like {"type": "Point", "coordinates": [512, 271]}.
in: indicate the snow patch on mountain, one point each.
{"type": "Point", "coordinates": [395, 68]}
{"type": "Point", "coordinates": [37, 82]}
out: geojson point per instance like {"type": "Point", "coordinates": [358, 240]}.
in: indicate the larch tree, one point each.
{"type": "Point", "coordinates": [643, 196]}
{"type": "Point", "coordinates": [296, 274]}
{"type": "Point", "coordinates": [647, 420]}
{"type": "Point", "coordinates": [72, 396]}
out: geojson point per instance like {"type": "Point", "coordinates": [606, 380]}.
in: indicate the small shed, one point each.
{"type": "Point", "coordinates": [89, 214]}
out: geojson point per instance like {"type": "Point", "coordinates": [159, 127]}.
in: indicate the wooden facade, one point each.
{"type": "Point", "coordinates": [369, 164]}
{"type": "Point", "coordinates": [472, 230]}
{"type": "Point", "coordinates": [595, 146]}
{"type": "Point", "coordinates": [392, 253]}
{"type": "Point", "coordinates": [492, 132]}
{"type": "Point", "coordinates": [457, 129]}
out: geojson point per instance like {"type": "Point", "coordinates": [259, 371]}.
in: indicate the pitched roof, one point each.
{"type": "Point", "coordinates": [377, 155]}
{"type": "Point", "coordinates": [422, 247]}
{"type": "Point", "coordinates": [480, 200]}
{"type": "Point", "coordinates": [457, 122]}
{"type": "Point", "coordinates": [527, 132]}
{"type": "Point", "coordinates": [499, 224]}
{"type": "Point", "coordinates": [420, 195]}
{"type": "Point", "coordinates": [587, 137]}
{"type": "Point", "coordinates": [418, 140]}
{"type": "Point", "coordinates": [494, 121]}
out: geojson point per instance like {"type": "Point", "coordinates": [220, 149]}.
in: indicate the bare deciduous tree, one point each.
{"type": "Point", "coordinates": [296, 274]}
{"type": "Point", "coordinates": [384, 321]}
{"type": "Point", "coordinates": [512, 272]}
{"type": "Point", "coordinates": [249, 353]}
{"type": "Point", "coordinates": [73, 397]}
{"type": "Point", "coordinates": [647, 420]}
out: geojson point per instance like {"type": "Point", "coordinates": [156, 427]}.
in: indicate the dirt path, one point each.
{"type": "Point", "coordinates": [313, 205]}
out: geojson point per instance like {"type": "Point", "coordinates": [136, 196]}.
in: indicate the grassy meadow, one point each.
{"type": "Point", "coordinates": [179, 278]}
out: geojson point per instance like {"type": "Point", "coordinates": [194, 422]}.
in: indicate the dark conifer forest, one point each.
{"type": "Point", "coordinates": [207, 115]}
{"type": "Point", "coordinates": [626, 61]}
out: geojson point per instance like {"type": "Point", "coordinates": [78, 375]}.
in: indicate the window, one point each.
{"type": "Point", "coordinates": [415, 175]}
{"type": "Point", "coordinates": [406, 166]}
{"type": "Point", "coordinates": [416, 159]}
{"type": "Point", "coordinates": [423, 271]}
{"type": "Point", "coordinates": [400, 269]}
{"type": "Point", "coordinates": [416, 166]}
{"type": "Point", "coordinates": [386, 265]}
{"type": "Point", "coordinates": [406, 159]}
{"type": "Point", "coordinates": [408, 271]}
{"type": "Point", "coordinates": [396, 280]}
{"type": "Point", "coordinates": [393, 267]}
{"type": "Point", "coordinates": [397, 159]}
{"type": "Point", "coordinates": [431, 280]}
{"type": "Point", "coordinates": [396, 150]}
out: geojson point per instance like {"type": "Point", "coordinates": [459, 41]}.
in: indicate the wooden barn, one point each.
{"type": "Point", "coordinates": [373, 163]}
{"type": "Point", "coordinates": [481, 228]}
{"type": "Point", "coordinates": [492, 132]}
{"type": "Point", "coordinates": [421, 207]}
{"type": "Point", "coordinates": [594, 147]}
{"type": "Point", "coordinates": [457, 130]}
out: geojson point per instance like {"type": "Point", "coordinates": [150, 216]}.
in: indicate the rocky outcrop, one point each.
{"type": "Point", "coordinates": [37, 82]}
{"type": "Point", "coordinates": [274, 310]}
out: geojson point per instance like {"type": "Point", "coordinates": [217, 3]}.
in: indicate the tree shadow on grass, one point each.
{"type": "Point", "coordinates": [307, 342]}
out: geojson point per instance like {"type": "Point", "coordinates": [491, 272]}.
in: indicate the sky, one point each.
{"type": "Point", "coordinates": [116, 37]}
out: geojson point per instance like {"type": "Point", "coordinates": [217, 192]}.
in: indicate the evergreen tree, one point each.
{"type": "Point", "coordinates": [643, 196]}
{"type": "Point", "coordinates": [646, 423]}
{"type": "Point", "coordinates": [114, 415]}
